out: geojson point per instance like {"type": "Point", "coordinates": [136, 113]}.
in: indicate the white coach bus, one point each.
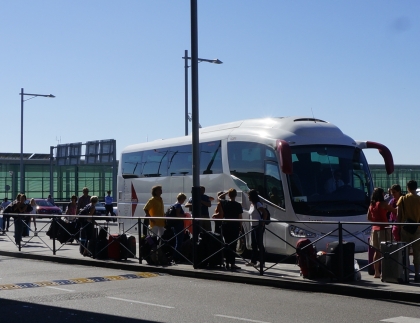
{"type": "Point", "coordinates": [304, 169]}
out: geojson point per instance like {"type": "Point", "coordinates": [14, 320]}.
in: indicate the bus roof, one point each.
{"type": "Point", "coordinates": [296, 130]}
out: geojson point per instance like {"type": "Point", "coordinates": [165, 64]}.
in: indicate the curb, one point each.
{"type": "Point", "coordinates": [304, 285]}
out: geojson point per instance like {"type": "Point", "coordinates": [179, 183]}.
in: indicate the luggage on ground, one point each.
{"type": "Point", "coordinates": [393, 270]}
{"type": "Point", "coordinates": [67, 231]}
{"type": "Point", "coordinates": [91, 244]}
{"type": "Point", "coordinates": [116, 251]}
{"type": "Point", "coordinates": [306, 258]}
{"type": "Point", "coordinates": [131, 246]}
{"type": "Point", "coordinates": [151, 250]}
{"type": "Point", "coordinates": [210, 244]}
{"type": "Point", "coordinates": [101, 251]}
{"type": "Point", "coordinates": [333, 259]}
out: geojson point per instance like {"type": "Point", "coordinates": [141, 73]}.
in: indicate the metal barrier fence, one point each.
{"type": "Point", "coordinates": [86, 224]}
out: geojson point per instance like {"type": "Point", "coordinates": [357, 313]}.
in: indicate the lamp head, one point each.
{"type": "Point", "coordinates": [50, 96]}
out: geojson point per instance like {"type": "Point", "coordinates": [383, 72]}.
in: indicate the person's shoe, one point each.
{"type": "Point", "coordinates": [251, 264]}
{"type": "Point", "coordinates": [234, 267]}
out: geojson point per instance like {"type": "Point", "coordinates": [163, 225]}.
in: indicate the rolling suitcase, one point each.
{"type": "Point", "coordinates": [393, 270]}
{"type": "Point", "coordinates": [117, 249]}
{"type": "Point", "coordinates": [131, 246]}
{"type": "Point", "coordinates": [333, 259]}
{"type": "Point", "coordinates": [209, 245]}
{"type": "Point", "coordinates": [123, 246]}
{"type": "Point", "coordinates": [114, 247]}
{"type": "Point", "coordinates": [101, 249]}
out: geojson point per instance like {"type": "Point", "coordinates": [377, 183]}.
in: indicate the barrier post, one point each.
{"type": "Point", "coordinates": [260, 234]}
{"type": "Point", "coordinates": [54, 224]}
{"type": "Point", "coordinates": [340, 251]}
{"type": "Point", "coordinates": [139, 230]}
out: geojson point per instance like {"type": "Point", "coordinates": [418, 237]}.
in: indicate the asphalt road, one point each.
{"type": "Point", "coordinates": [68, 295]}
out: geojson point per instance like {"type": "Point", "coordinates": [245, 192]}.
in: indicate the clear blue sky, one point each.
{"type": "Point", "coordinates": [117, 72]}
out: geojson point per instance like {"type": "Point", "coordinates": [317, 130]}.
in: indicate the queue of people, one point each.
{"type": "Point", "coordinates": [225, 209]}
{"type": "Point", "coordinates": [399, 208]}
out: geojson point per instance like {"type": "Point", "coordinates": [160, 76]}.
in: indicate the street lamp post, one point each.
{"type": "Point", "coordinates": [186, 58]}
{"type": "Point", "coordinates": [22, 94]}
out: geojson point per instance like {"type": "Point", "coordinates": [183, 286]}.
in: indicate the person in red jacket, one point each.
{"type": "Point", "coordinates": [377, 213]}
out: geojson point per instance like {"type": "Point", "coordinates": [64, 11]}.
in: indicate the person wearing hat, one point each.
{"type": "Point", "coordinates": [109, 208]}
{"type": "Point", "coordinates": [218, 212]}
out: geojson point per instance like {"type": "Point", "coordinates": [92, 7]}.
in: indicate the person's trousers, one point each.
{"type": "Point", "coordinates": [179, 239]}
{"type": "Point", "coordinates": [18, 223]}
{"type": "Point", "coordinates": [231, 233]}
{"type": "Point", "coordinates": [6, 222]}
{"type": "Point", "coordinates": [109, 209]}
{"type": "Point", "coordinates": [257, 243]}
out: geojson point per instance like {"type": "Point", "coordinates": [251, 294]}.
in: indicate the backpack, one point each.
{"type": "Point", "coordinates": [85, 210]}
{"type": "Point", "coordinates": [268, 220]}
{"type": "Point", "coordinates": [171, 212]}
{"type": "Point", "coordinates": [306, 258]}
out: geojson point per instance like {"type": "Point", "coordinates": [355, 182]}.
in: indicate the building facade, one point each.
{"type": "Point", "coordinates": [63, 173]}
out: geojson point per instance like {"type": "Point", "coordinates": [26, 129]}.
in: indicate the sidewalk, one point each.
{"type": "Point", "coordinates": [281, 275]}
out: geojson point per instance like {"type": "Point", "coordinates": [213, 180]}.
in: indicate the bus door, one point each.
{"type": "Point", "coordinates": [275, 194]}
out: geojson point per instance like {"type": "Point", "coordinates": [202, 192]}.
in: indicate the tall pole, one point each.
{"type": "Point", "coordinates": [22, 184]}
{"type": "Point", "coordinates": [195, 125]}
{"type": "Point", "coordinates": [52, 171]}
{"type": "Point", "coordinates": [186, 91]}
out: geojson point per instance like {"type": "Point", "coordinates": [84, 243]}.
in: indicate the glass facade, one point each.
{"type": "Point", "coordinates": [401, 175]}
{"type": "Point", "coordinates": [67, 180]}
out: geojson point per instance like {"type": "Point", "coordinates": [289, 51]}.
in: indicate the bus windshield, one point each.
{"type": "Point", "coordinates": [329, 180]}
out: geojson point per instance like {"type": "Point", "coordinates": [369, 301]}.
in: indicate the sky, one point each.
{"type": "Point", "coordinates": [117, 71]}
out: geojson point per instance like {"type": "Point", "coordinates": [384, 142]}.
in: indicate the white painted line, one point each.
{"type": "Point", "coordinates": [402, 319]}
{"type": "Point", "coordinates": [66, 290]}
{"type": "Point", "coordinates": [239, 318]}
{"type": "Point", "coordinates": [131, 301]}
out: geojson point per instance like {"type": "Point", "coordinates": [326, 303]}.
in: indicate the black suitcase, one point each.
{"type": "Point", "coordinates": [101, 251]}
{"type": "Point", "coordinates": [393, 270]}
{"type": "Point", "coordinates": [209, 245]}
{"type": "Point", "coordinates": [123, 247]}
{"type": "Point", "coordinates": [131, 246]}
{"type": "Point", "coordinates": [333, 259]}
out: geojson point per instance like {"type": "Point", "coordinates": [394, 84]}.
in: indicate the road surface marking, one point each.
{"type": "Point", "coordinates": [66, 290]}
{"type": "Point", "coordinates": [137, 302]}
{"type": "Point", "coordinates": [78, 281]}
{"type": "Point", "coordinates": [402, 319]}
{"type": "Point", "coordinates": [239, 318]}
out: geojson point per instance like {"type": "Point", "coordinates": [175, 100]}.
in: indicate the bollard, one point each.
{"type": "Point", "coordinates": [340, 252]}
{"type": "Point", "coordinates": [54, 224]}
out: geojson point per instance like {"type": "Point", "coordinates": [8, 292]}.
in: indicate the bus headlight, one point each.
{"type": "Point", "coordinates": [297, 232]}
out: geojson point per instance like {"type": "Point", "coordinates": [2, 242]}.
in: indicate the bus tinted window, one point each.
{"type": "Point", "coordinates": [172, 161]}
{"type": "Point", "coordinates": [155, 162]}
{"type": "Point", "coordinates": [247, 160]}
{"type": "Point", "coordinates": [131, 164]}
{"type": "Point", "coordinates": [211, 157]}
{"type": "Point", "coordinates": [180, 161]}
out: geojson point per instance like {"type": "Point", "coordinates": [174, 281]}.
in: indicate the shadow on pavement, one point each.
{"type": "Point", "coordinates": [17, 311]}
